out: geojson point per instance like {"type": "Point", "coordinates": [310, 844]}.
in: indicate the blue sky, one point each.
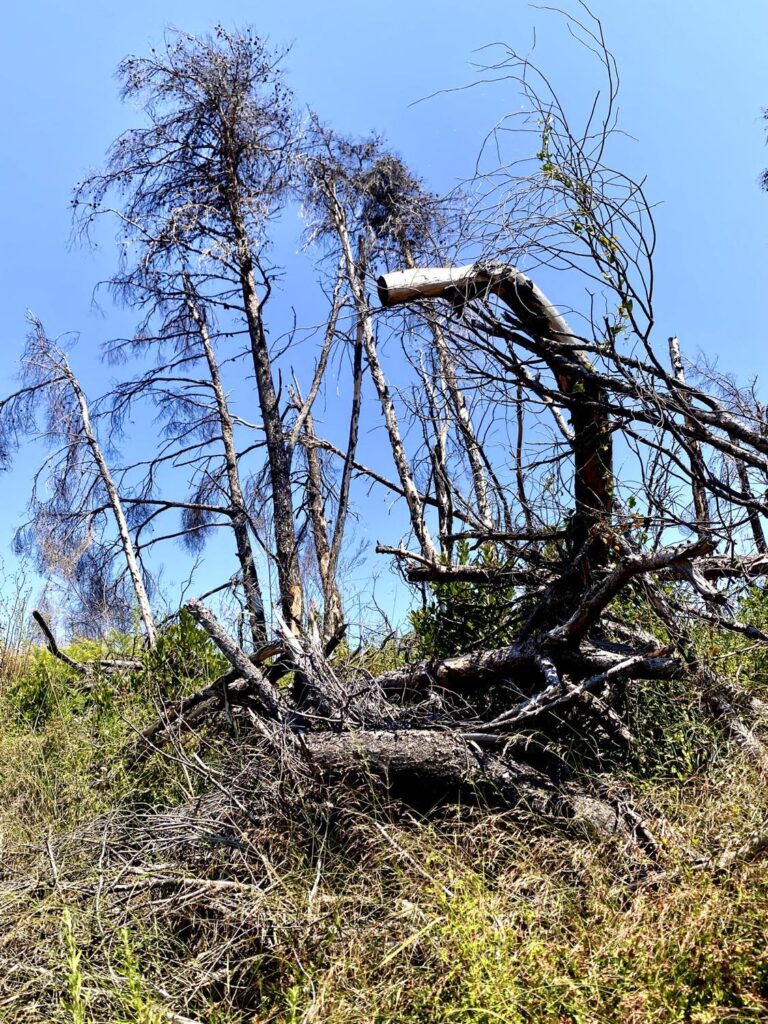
{"type": "Point", "coordinates": [694, 83]}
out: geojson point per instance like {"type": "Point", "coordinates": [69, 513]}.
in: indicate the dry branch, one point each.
{"type": "Point", "coordinates": [264, 694]}
{"type": "Point", "coordinates": [106, 665]}
{"type": "Point", "coordinates": [54, 648]}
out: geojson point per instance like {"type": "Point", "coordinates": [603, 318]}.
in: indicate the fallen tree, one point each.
{"type": "Point", "coordinates": [575, 548]}
{"type": "Point", "coordinates": [572, 655]}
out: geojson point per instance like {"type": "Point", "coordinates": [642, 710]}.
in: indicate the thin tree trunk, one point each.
{"type": "Point", "coordinates": [700, 504]}
{"type": "Point", "coordinates": [752, 513]}
{"type": "Point", "coordinates": [522, 497]}
{"type": "Point", "coordinates": [126, 543]}
{"type": "Point", "coordinates": [404, 472]}
{"type": "Point", "coordinates": [239, 517]}
{"type": "Point", "coordinates": [463, 418]}
{"type": "Point", "coordinates": [304, 408]}
{"type": "Point", "coordinates": [356, 279]}
{"type": "Point", "coordinates": [332, 607]}
{"type": "Point", "coordinates": [289, 576]}
{"type": "Point", "coordinates": [436, 445]}
{"type": "Point", "coordinates": [342, 507]}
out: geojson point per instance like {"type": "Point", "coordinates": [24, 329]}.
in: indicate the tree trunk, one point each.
{"type": "Point", "coordinates": [238, 516]}
{"type": "Point", "coordinates": [700, 504]}
{"type": "Point", "coordinates": [463, 418]}
{"type": "Point", "coordinates": [126, 543]}
{"type": "Point", "coordinates": [268, 703]}
{"type": "Point", "coordinates": [289, 576]}
{"type": "Point", "coordinates": [404, 472]}
{"type": "Point", "coordinates": [342, 506]}
{"type": "Point", "coordinates": [557, 344]}
{"type": "Point", "coordinates": [332, 607]}
{"type": "Point", "coordinates": [425, 767]}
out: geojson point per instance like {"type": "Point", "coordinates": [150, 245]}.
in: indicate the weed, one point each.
{"type": "Point", "coordinates": [74, 1001]}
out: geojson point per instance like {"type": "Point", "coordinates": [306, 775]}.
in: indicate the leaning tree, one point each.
{"type": "Point", "coordinates": [79, 528]}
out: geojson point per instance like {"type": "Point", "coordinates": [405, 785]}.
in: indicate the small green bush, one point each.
{"type": "Point", "coordinates": [460, 616]}
{"type": "Point", "coordinates": [183, 659]}
{"type": "Point", "coordinates": [48, 687]}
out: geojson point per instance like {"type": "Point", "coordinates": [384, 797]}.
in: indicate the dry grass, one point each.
{"type": "Point", "coordinates": [338, 914]}
{"type": "Point", "coordinates": [127, 896]}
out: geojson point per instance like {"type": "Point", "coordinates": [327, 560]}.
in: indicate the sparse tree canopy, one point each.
{"type": "Point", "coordinates": [556, 470]}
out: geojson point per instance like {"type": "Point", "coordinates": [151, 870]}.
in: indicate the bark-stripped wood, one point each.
{"type": "Point", "coordinates": [116, 506]}
{"type": "Point", "coordinates": [269, 705]}
{"type": "Point", "coordinates": [458, 402]}
{"type": "Point", "coordinates": [333, 615]}
{"type": "Point", "coordinates": [355, 269]}
{"type": "Point", "coordinates": [592, 431]}
{"type": "Point", "coordinates": [238, 511]}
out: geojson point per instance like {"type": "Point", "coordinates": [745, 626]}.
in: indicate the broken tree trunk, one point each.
{"type": "Point", "coordinates": [105, 665]}
{"type": "Point", "coordinates": [426, 767]}
{"type": "Point", "coordinates": [557, 344]}
{"type": "Point", "coordinates": [268, 703]}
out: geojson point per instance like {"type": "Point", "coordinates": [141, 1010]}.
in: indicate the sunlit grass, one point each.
{"type": "Point", "coordinates": [344, 912]}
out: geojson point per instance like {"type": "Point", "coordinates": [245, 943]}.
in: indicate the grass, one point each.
{"type": "Point", "coordinates": [531, 932]}
{"type": "Point", "coordinates": [129, 895]}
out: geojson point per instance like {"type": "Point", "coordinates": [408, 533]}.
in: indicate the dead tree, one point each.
{"type": "Point", "coordinates": [519, 412]}
{"type": "Point", "coordinates": [355, 265]}
{"type": "Point", "coordinates": [238, 510]}
{"type": "Point", "coordinates": [367, 207]}
{"type": "Point", "coordinates": [78, 476]}
{"type": "Point", "coordinates": [555, 342]}
{"type": "Point", "coordinates": [203, 477]}
{"type": "Point", "coordinates": [201, 180]}
{"type": "Point", "coordinates": [683, 531]}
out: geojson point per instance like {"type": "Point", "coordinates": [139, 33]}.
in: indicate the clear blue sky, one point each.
{"type": "Point", "coordinates": [694, 83]}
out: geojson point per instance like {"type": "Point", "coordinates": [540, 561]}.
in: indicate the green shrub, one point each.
{"type": "Point", "coordinates": [183, 659]}
{"type": "Point", "coordinates": [461, 616]}
{"type": "Point", "coordinates": [47, 688]}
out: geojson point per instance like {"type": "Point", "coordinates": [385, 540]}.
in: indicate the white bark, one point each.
{"type": "Point", "coordinates": [423, 283]}
{"type": "Point", "coordinates": [700, 504]}
{"type": "Point", "coordinates": [412, 497]}
{"type": "Point", "coordinates": [126, 543]}
{"type": "Point", "coordinates": [592, 442]}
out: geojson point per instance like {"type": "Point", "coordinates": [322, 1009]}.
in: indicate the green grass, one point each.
{"type": "Point", "coordinates": [116, 908]}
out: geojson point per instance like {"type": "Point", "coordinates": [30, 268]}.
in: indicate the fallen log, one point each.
{"type": "Point", "coordinates": [53, 646]}
{"type": "Point", "coordinates": [426, 767]}
{"type": "Point", "coordinates": [474, 670]}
